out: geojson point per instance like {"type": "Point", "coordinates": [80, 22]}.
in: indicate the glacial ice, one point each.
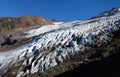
{"type": "Point", "coordinates": [61, 41]}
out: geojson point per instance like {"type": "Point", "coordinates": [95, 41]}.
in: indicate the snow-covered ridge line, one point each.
{"type": "Point", "coordinates": [56, 26]}
{"type": "Point", "coordinates": [52, 27]}
{"type": "Point", "coordinates": [51, 49]}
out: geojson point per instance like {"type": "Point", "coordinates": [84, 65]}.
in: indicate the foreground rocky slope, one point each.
{"type": "Point", "coordinates": [69, 46]}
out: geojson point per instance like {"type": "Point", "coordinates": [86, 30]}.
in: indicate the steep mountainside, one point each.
{"type": "Point", "coordinates": [69, 46]}
{"type": "Point", "coordinates": [21, 23]}
{"type": "Point", "coordinates": [12, 29]}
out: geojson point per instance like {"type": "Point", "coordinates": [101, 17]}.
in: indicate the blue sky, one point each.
{"type": "Point", "coordinates": [64, 10]}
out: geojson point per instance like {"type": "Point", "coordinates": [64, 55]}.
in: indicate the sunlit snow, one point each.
{"type": "Point", "coordinates": [58, 42]}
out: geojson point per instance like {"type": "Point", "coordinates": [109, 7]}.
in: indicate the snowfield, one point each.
{"type": "Point", "coordinates": [56, 43]}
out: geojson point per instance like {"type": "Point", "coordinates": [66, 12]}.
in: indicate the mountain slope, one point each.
{"type": "Point", "coordinates": [58, 45]}
{"type": "Point", "coordinates": [21, 23]}
{"type": "Point", "coordinates": [12, 30]}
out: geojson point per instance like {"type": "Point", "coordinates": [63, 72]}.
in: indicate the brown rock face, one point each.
{"type": "Point", "coordinates": [11, 29]}
{"type": "Point", "coordinates": [21, 23]}
{"type": "Point", "coordinates": [29, 21]}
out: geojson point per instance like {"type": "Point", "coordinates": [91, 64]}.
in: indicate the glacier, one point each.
{"type": "Point", "coordinates": [58, 43]}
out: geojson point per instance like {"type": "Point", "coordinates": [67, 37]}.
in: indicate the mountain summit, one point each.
{"type": "Point", "coordinates": [111, 12]}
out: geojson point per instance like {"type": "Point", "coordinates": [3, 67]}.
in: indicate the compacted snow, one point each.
{"type": "Point", "coordinates": [58, 42]}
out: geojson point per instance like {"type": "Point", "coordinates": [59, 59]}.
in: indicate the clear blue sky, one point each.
{"type": "Point", "coordinates": [64, 10]}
